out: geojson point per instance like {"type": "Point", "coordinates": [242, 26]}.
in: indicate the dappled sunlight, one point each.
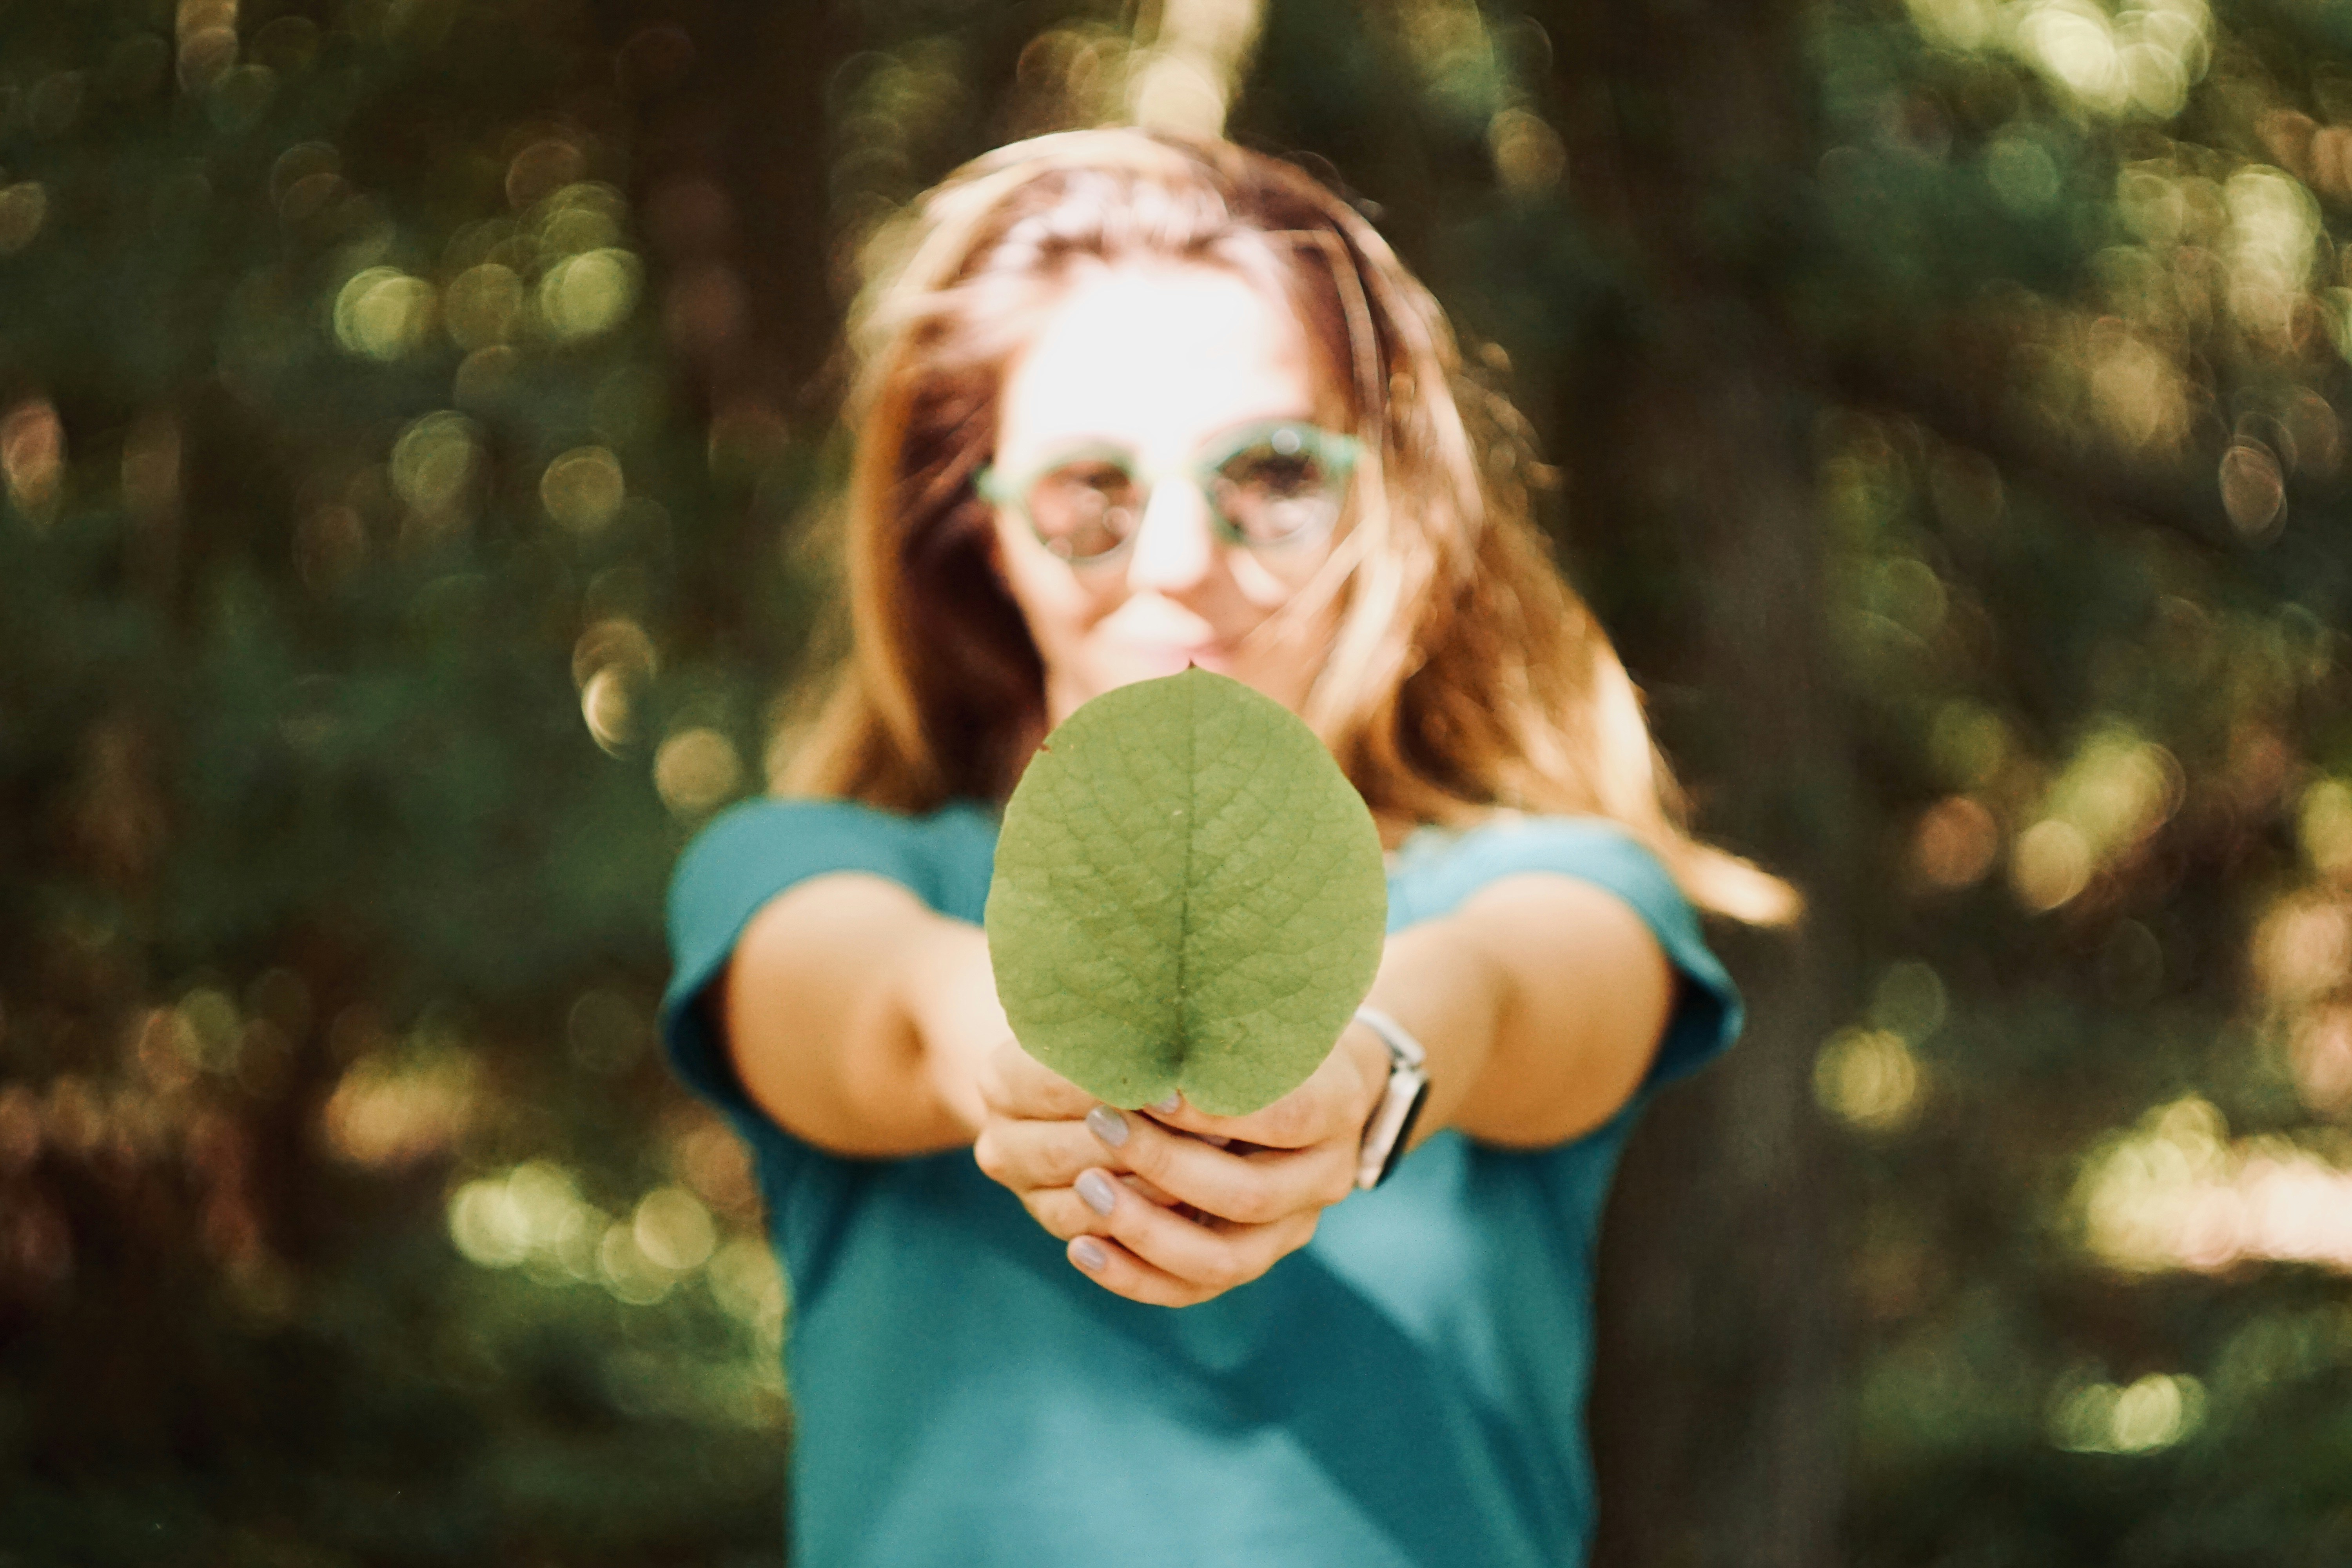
{"type": "Point", "coordinates": [1954, 843]}
{"type": "Point", "coordinates": [435, 462]}
{"type": "Point", "coordinates": [747, 1283]}
{"type": "Point", "coordinates": [1870, 1079]}
{"type": "Point", "coordinates": [22, 208]}
{"type": "Point", "coordinates": [32, 456]}
{"type": "Point", "coordinates": [533, 1218]}
{"type": "Point", "coordinates": [1870, 1074]}
{"type": "Point", "coordinates": [1529, 159]}
{"type": "Point", "coordinates": [482, 306]}
{"type": "Point", "coordinates": [673, 1230]}
{"type": "Point", "coordinates": [389, 1112]}
{"type": "Point", "coordinates": [2321, 1058]}
{"type": "Point", "coordinates": [583, 489]}
{"type": "Point", "coordinates": [531, 1211]}
{"type": "Point", "coordinates": [2140, 57]}
{"type": "Point", "coordinates": [2117, 790]}
{"type": "Point", "coordinates": [2050, 865]}
{"type": "Point", "coordinates": [383, 314]}
{"type": "Point", "coordinates": [2273, 227]}
{"type": "Point", "coordinates": [2302, 948]}
{"type": "Point", "coordinates": [2151, 1414]}
{"type": "Point", "coordinates": [2138, 393]}
{"type": "Point", "coordinates": [582, 296]}
{"type": "Point", "coordinates": [2323, 822]}
{"type": "Point", "coordinates": [2253, 488]}
{"type": "Point", "coordinates": [696, 771]}
{"type": "Point", "coordinates": [2178, 1192]}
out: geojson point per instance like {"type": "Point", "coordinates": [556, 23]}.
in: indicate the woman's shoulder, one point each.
{"type": "Point", "coordinates": [756, 849]}
{"type": "Point", "coordinates": [772, 819]}
{"type": "Point", "coordinates": [1438, 865]}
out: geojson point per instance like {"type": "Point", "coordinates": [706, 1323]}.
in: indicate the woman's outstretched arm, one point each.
{"type": "Point", "coordinates": [858, 1018]}
{"type": "Point", "coordinates": [1571, 998]}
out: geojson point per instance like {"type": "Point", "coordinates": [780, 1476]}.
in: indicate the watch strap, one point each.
{"type": "Point", "coordinates": [1391, 1120]}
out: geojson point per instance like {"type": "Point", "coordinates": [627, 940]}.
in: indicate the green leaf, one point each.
{"type": "Point", "coordinates": [1189, 894]}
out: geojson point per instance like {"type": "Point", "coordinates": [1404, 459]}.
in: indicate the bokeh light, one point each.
{"type": "Point", "coordinates": [483, 305]}
{"type": "Point", "coordinates": [435, 461]}
{"type": "Point", "coordinates": [22, 208]}
{"type": "Point", "coordinates": [32, 456]}
{"type": "Point", "coordinates": [390, 1112]}
{"type": "Point", "coordinates": [383, 314]}
{"type": "Point", "coordinates": [2179, 1193]}
{"type": "Point", "coordinates": [584, 489]}
{"type": "Point", "coordinates": [584, 296]}
{"type": "Point", "coordinates": [2150, 1414]}
{"type": "Point", "coordinates": [1955, 843]}
{"type": "Point", "coordinates": [696, 770]}
{"type": "Point", "coordinates": [1870, 1079]}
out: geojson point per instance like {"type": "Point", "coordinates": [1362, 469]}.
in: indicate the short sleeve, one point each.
{"type": "Point", "coordinates": [1435, 879]}
{"type": "Point", "coordinates": [751, 854]}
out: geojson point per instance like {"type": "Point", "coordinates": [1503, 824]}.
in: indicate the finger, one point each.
{"type": "Point", "coordinates": [1332, 1102]}
{"type": "Point", "coordinates": [1062, 1213]}
{"type": "Point", "coordinates": [1022, 1153]}
{"type": "Point", "coordinates": [1014, 1083]}
{"type": "Point", "coordinates": [1251, 1189]}
{"type": "Point", "coordinates": [1120, 1272]}
{"type": "Point", "coordinates": [1211, 1256]}
{"type": "Point", "coordinates": [1151, 1193]}
{"type": "Point", "coordinates": [1150, 1255]}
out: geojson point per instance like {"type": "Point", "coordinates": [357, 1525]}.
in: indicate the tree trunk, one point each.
{"type": "Point", "coordinates": [1717, 1417]}
{"type": "Point", "coordinates": [729, 160]}
{"type": "Point", "coordinates": [729, 165]}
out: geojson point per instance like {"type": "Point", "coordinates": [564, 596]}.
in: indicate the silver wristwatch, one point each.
{"type": "Point", "coordinates": [1392, 1119]}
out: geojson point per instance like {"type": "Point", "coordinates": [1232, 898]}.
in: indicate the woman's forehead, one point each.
{"type": "Point", "coordinates": [1156, 356]}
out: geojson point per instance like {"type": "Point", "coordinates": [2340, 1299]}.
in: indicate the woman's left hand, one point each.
{"type": "Point", "coordinates": [1170, 1205]}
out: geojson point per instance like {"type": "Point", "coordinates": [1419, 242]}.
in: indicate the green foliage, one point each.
{"type": "Point", "coordinates": [1189, 895]}
{"type": "Point", "coordinates": [346, 492]}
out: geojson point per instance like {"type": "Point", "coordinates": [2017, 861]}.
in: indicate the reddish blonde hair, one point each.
{"type": "Point", "coordinates": [1465, 676]}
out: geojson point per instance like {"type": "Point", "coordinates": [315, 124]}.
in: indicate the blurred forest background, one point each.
{"type": "Point", "coordinates": [417, 421]}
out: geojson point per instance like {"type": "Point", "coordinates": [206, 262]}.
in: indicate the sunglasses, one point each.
{"type": "Point", "coordinates": [1267, 484]}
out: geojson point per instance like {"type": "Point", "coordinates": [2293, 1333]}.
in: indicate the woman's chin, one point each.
{"type": "Point", "coordinates": [1134, 664]}
{"type": "Point", "coordinates": [1150, 663]}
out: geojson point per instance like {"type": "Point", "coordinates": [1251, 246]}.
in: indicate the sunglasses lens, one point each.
{"type": "Point", "coordinates": [1085, 509]}
{"type": "Point", "coordinates": [1278, 488]}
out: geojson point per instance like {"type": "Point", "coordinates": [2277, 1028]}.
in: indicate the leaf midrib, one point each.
{"type": "Point", "coordinates": [1184, 1052]}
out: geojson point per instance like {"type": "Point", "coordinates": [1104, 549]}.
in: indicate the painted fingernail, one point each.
{"type": "Point", "coordinates": [1088, 1253]}
{"type": "Point", "coordinates": [1095, 1188]}
{"type": "Point", "coordinates": [1107, 1125]}
{"type": "Point", "coordinates": [1168, 1104]}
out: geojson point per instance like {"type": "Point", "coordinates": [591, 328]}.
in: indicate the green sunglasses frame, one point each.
{"type": "Point", "coordinates": [1335, 452]}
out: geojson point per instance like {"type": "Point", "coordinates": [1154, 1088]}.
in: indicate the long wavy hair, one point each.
{"type": "Point", "coordinates": [1465, 676]}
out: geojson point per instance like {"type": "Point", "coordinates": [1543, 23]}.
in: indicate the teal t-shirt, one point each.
{"type": "Point", "coordinates": [1408, 1388]}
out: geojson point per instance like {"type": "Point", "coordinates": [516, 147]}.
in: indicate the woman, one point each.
{"type": "Point", "coordinates": [1128, 404]}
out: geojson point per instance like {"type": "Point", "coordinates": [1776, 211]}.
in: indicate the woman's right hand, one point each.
{"type": "Point", "coordinates": [1162, 1211]}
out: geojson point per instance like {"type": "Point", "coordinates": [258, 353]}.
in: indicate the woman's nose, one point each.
{"type": "Point", "coordinates": [1172, 551]}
